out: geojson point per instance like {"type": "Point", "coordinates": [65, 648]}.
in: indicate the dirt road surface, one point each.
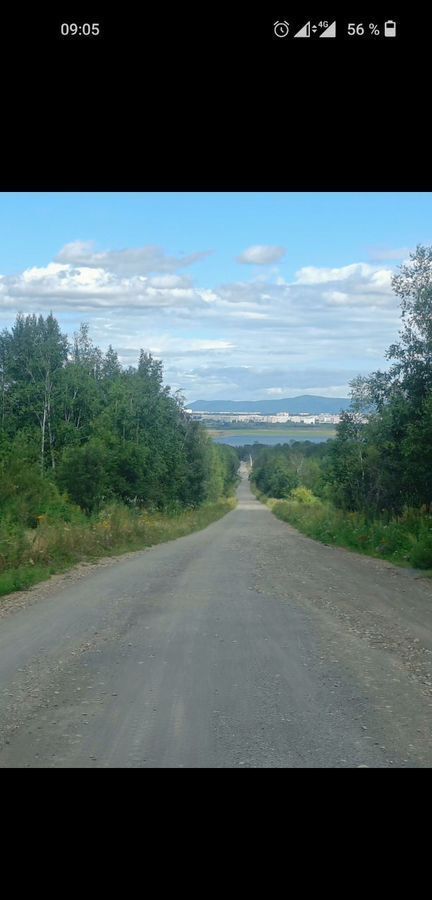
{"type": "Point", "coordinates": [243, 645]}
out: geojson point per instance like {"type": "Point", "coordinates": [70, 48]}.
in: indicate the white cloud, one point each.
{"type": "Point", "coordinates": [261, 255]}
{"type": "Point", "coordinates": [355, 272]}
{"type": "Point", "coordinates": [170, 281]}
{"type": "Point", "coordinates": [244, 314]}
{"type": "Point", "coordinates": [172, 346]}
{"type": "Point", "coordinates": [135, 261]}
{"type": "Point", "coordinates": [65, 286]}
{"type": "Point", "coordinates": [330, 390]}
{"type": "Point", "coordinates": [337, 297]}
{"type": "Point", "coordinates": [342, 319]}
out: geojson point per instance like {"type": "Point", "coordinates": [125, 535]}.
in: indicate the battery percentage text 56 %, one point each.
{"type": "Point", "coordinates": [359, 29]}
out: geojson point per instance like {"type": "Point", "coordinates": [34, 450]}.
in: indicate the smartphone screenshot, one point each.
{"type": "Point", "coordinates": [215, 388]}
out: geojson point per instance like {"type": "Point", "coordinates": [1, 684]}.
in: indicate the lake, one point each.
{"type": "Point", "coordinates": [239, 440]}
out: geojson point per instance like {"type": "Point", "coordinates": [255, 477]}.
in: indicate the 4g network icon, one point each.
{"type": "Point", "coordinates": [325, 29]}
{"type": "Point", "coordinates": [281, 29]}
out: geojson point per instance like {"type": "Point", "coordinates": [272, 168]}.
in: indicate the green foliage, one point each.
{"type": "Point", "coordinates": [101, 432]}
{"type": "Point", "coordinates": [395, 445]}
{"type": "Point", "coordinates": [279, 470]}
{"type": "Point", "coordinates": [405, 540]}
{"type": "Point", "coordinates": [82, 475]}
{"type": "Point", "coordinates": [303, 495]}
{"type": "Point", "coordinates": [29, 557]}
{"type": "Point", "coordinates": [274, 473]}
{"type": "Point", "coordinates": [23, 577]}
{"type": "Point", "coordinates": [25, 494]}
{"type": "Point", "coordinates": [222, 477]}
{"type": "Point", "coordinates": [78, 432]}
{"type": "Point", "coordinates": [374, 480]}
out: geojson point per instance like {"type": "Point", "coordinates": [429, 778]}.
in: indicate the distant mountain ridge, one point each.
{"type": "Point", "coordinates": [306, 403]}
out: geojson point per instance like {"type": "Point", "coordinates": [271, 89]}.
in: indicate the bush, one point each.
{"type": "Point", "coordinates": [26, 494]}
{"type": "Point", "coordinates": [405, 540]}
{"type": "Point", "coordinates": [420, 555]}
{"type": "Point", "coordinates": [13, 543]}
{"type": "Point", "coordinates": [303, 495]}
{"type": "Point", "coordinates": [81, 473]}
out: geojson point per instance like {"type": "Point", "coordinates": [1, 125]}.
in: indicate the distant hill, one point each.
{"type": "Point", "coordinates": [306, 403]}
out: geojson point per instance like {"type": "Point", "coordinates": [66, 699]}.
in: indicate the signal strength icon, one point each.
{"type": "Point", "coordinates": [304, 32]}
{"type": "Point", "coordinates": [330, 31]}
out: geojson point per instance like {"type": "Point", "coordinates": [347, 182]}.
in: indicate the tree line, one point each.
{"type": "Point", "coordinates": [76, 426]}
{"type": "Point", "coordinates": [381, 468]}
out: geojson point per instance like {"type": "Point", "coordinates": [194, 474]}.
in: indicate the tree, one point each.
{"type": "Point", "coordinates": [111, 368]}
{"type": "Point", "coordinates": [395, 447]}
{"type": "Point", "coordinates": [38, 352]}
{"type": "Point", "coordinates": [85, 354]}
{"type": "Point", "coordinates": [150, 369]}
{"type": "Point", "coordinates": [410, 376]}
{"type": "Point", "coordinates": [109, 432]}
{"type": "Point", "coordinates": [274, 472]}
{"type": "Point", "coordinates": [413, 352]}
{"type": "Point", "coordinates": [5, 360]}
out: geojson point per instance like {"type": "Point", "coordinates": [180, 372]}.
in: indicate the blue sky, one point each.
{"type": "Point", "coordinates": [243, 295]}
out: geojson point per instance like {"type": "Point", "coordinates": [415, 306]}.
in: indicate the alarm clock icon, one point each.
{"type": "Point", "coordinates": [281, 29]}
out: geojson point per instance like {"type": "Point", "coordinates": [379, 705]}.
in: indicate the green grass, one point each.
{"type": "Point", "coordinates": [54, 547]}
{"type": "Point", "coordinates": [404, 540]}
{"type": "Point", "coordinates": [24, 577]}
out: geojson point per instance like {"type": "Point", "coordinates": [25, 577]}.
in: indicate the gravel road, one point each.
{"type": "Point", "coordinates": [244, 645]}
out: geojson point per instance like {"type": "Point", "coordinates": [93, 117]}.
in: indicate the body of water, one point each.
{"type": "Point", "coordinates": [239, 440]}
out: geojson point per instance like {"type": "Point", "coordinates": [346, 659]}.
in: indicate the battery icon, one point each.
{"type": "Point", "coordinates": [390, 28]}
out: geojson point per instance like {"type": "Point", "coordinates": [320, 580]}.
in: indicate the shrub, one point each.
{"type": "Point", "coordinates": [420, 555]}
{"type": "Point", "coordinates": [81, 473]}
{"type": "Point", "coordinates": [303, 495]}
{"type": "Point", "coordinates": [406, 539]}
{"type": "Point", "coordinates": [26, 494]}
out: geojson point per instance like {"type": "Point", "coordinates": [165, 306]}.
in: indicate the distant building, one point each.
{"type": "Point", "coordinates": [283, 418]}
{"type": "Point", "coordinates": [303, 419]}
